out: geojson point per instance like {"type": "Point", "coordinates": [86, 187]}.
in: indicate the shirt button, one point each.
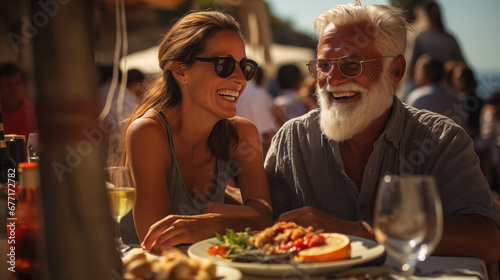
{"type": "Point", "coordinates": [362, 205]}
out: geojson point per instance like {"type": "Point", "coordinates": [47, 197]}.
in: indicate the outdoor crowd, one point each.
{"type": "Point", "coordinates": [211, 145]}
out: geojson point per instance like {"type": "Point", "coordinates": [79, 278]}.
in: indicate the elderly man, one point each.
{"type": "Point", "coordinates": [324, 167]}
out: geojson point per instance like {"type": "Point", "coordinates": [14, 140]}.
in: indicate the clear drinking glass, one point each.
{"type": "Point", "coordinates": [408, 219]}
{"type": "Point", "coordinates": [121, 194]}
{"type": "Point", "coordinates": [32, 147]}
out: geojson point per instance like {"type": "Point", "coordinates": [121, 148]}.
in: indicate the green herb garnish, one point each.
{"type": "Point", "coordinates": [236, 242]}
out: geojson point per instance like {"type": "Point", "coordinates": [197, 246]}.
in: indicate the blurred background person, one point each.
{"type": "Point", "coordinates": [290, 81]}
{"type": "Point", "coordinates": [307, 93]}
{"type": "Point", "coordinates": [130, 100]}
{"type": "Point", "coordinates": [112, 114]}
{"type": "Point", "coordinates": [256, 105]}
{"type": "Point", "coordinates": [434, 40]}
{"type": "Point", "coordinates": [431, 95]}
{"type": "Point", "coordinates": [447, 80]}
{"type": "Point", "coordinates": [18, 111]}
{"type": "Point", "coordinates": [490, 117]}
{"type": "Point", "coordinates": [490, 131]}
{"type": "Point", "coordinates": [135, 83]}
{"type": "Point", "coordinates": [464, 83]}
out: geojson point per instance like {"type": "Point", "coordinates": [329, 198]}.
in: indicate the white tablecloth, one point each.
{"type": "Point", "coordinates": [434, 268]}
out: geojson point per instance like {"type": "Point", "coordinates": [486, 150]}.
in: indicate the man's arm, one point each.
{"type": "Point", "coordinates": [310, 216]}
{"type": "Point", "coordinates": [463, 235]}
{"type": "Point", "coordinates": [470, 235]}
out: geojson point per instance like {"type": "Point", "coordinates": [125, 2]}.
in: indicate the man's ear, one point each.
{"type": "Point", "coordinates": [178, 70]}
{"type": "Point", "coordinates": [398, 68]}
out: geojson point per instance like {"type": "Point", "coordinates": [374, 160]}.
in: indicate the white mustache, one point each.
{"type": "Point", "coordinates": [344, 87]}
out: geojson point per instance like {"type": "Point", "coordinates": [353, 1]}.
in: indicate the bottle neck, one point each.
{"type": "Point", "coordinates": [4, 154]}
{"type": "Point", "coordinates": [3, 146]}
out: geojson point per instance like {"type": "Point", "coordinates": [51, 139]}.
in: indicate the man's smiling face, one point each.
{"type": "Point", "coordinates": [349, 105]}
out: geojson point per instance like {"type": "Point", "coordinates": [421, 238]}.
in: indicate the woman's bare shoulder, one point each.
{"type": "Point", "coordinates": [148, 123]}
{"type": "Point", "coordinates": [248, 136]}
{"type": "Point", "coordinates": [147, 129]}
{"type": "Point", "coordinates": [243, 126]}
{"type": "Point", "coordinates": [147, 141]}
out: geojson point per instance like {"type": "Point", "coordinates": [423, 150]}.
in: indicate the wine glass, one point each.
{"type": "Point", "coordinates": [32, 147]}
{"type": "Point", "coordinates": [408, 219]}
{"type": "Point", "coordinates": [121, 194]}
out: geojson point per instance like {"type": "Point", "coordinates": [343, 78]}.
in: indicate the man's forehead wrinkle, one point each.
{"type": "Point", "coordinates": [325, 48]}
{"type": "Point", "coordinates": [350, 39]}
{"type": "Point", "coordinates": [343, 49]}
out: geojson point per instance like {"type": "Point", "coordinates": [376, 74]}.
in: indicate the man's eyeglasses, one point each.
{"type": "Point", "coordinates": [224, 66]}
{"type": "Point", "coordinates": [350, 67]}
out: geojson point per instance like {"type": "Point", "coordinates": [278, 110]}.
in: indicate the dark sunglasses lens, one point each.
{"type": "Point", "coordinates": [224, 66]}
{"type": "Point", "coordinates": [350, 67]}
{"type": "Point", "coordinates": [248, 67]}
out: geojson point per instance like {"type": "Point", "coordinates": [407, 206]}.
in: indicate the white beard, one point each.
{"type": "Point", "coordinates": [340, 122]}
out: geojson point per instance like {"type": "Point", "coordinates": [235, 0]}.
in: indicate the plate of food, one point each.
{"type": "Point", "coordinates": [286, 249]}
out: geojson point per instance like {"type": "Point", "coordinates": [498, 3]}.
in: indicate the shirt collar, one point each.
{"type": "Point", "coordinates": [394, 129]}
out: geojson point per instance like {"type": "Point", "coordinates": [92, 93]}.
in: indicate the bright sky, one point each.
{"type": "Point", "coordinates": [475, 24]}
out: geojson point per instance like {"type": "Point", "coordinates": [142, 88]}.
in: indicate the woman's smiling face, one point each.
{"type": "Point", "coordinates": [204, 88]}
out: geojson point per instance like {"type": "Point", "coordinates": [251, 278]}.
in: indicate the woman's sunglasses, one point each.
{"type": "Point", "coordinates": [224, 66]}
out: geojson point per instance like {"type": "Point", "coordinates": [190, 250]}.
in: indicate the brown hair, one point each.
{"type": "Point", "coordinates": [184, 41]}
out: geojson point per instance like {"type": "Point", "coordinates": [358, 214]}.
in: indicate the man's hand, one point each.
{"type": "Point", "coordinates": [310, 216]}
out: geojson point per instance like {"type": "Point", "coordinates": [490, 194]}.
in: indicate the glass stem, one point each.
{"type": "Point", "coordinates": [118, 236]}
{"type": "Point", "coordinates": [408, 269]}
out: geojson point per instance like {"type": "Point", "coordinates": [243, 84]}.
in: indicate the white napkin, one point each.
{"type": "Point", "coordinates": [453, 268]}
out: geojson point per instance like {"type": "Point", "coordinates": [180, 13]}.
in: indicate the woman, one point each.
{"type": "Point", "coordinates": [184, 143]}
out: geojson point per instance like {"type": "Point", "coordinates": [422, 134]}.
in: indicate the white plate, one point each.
{"type": "Point", "coordinates": [362, 250]}
{"type": "Point", "coordinates": [228, 273]}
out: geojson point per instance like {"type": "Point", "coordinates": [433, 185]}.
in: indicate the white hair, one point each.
{"type": "Point", "coordinates": [385, 23]}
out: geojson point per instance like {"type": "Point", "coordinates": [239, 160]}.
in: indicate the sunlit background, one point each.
{"type": "Point", "coordinates": [475, 25]}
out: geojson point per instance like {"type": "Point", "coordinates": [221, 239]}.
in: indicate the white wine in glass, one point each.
{"type": "Point", "coordinates": [121, 201]}
{"type": "Point", "coordinates": [408, 219]}
{"type": "Point", "coordinates": [121, 194]}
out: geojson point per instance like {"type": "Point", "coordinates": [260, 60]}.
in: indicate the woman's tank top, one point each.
{"type": "Point", "coordinates": [182, 203]}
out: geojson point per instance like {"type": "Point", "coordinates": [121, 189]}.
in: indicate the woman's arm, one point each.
{"type": "Point", "coordinates": [252, 179]}
{"type": "Point", "coordinates": [149, 159]}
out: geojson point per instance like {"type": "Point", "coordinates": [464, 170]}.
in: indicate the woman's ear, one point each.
{"type": "Point", "coordinates": [398, 68]}
{"type": "Point", "coordinates": [178, 70]}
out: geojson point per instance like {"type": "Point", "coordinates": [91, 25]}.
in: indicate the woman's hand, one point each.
{"type": "Point", "coordinates": [178, 229]}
